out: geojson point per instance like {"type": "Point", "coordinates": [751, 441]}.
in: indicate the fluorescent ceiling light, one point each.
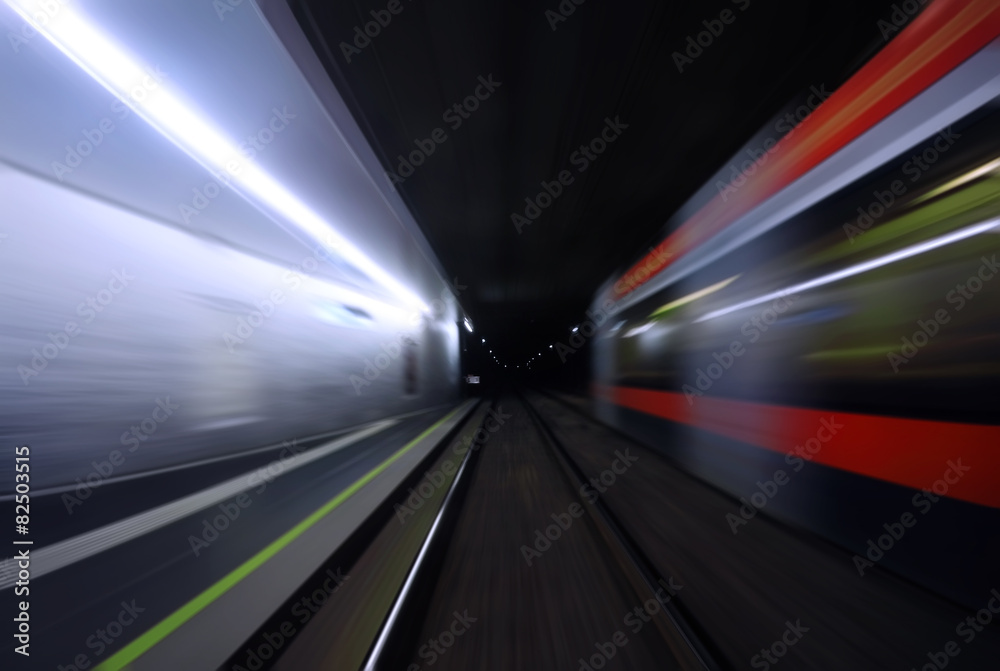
{"type": "Point", "coordinates": [881, 261]}
{"type": "Point", "coordinates": [120, 73]}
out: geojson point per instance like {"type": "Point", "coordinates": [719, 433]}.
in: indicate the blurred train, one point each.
{"type": "Point", "coordinates": [819, 333]}
{"type": "Point", "coordinates": [181, 281]}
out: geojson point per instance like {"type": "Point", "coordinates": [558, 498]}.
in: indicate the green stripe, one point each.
{"type": "Point", "coordinates": [141, 645]}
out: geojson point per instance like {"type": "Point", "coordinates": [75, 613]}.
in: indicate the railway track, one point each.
{"type": "Point", "coordinates": [525, 567]}
{"type": "Point", "coordinates": [534, 537]}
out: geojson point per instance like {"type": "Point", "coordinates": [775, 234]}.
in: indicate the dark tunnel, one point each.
{"type": "Point", "coordinates": [401, 335]}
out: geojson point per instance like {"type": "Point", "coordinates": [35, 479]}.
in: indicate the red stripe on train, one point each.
{"type": "Point", "coordinates": [943, 36]}
{"type": "Point", "coordinates": [910, 452]}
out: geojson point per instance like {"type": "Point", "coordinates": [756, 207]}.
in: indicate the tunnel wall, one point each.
{"type": "Point", "coordinates": [127, 339]}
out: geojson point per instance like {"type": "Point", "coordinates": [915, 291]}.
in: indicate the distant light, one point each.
{"type": "Point", "coordinates": [484, 339]}
{"type": "Point", "coordinates": [468, 324]}
{"type": "Point", "coordinates": [575, 329]}
{"type": "Point", "coordinates": [550, 346]}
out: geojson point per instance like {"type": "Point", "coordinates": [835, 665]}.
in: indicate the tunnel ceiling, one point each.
{"type": "Point", "coordinates": [559, 73]}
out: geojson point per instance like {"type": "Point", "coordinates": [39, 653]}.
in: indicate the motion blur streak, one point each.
{"type": "Point", "coordinates": [861, 267]}
{"type": "Point", "coordinates": [116, 71]}
{"type": "Point", "coordinates": [286, 390]}
{"type": "Point", "coordinates": [908, 452]}
{"type": "Point", "coordinates": [937, 40]}
{"type": "Point", "coordinates": [170, 352]}
{"type": "Point", "coordinates": [100, 383]}
{"type": "Point", "coordinates": [872, 307]}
